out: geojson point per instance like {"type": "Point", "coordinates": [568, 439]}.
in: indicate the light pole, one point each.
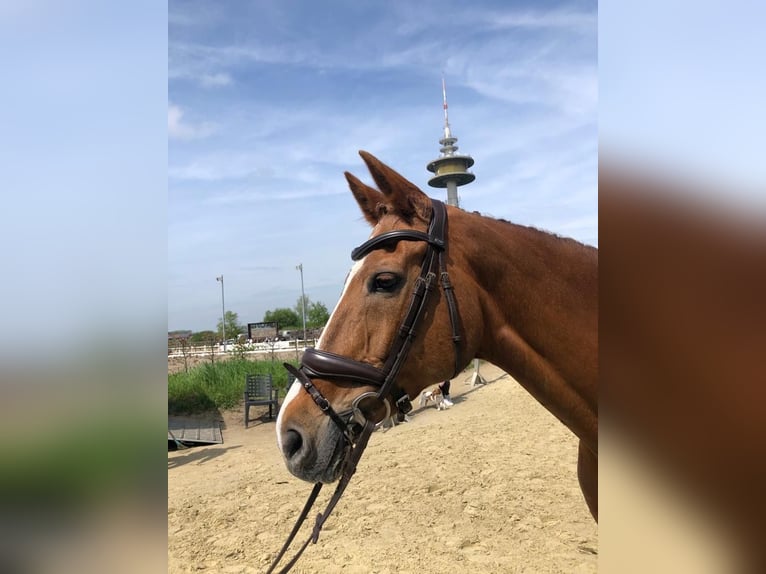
{"type": "Point", "coordinates": [223, 313]}
{"type": "Point", "coordinates": [299, 267]}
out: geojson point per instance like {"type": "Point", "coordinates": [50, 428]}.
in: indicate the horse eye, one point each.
{"type": "Point", "coordinates": [384, 282]}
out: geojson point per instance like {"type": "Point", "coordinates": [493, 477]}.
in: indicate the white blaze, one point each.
{"type": "Point", "coordinates": [295, 388]}
{"type": "Point", "coordinates": [351, 274]}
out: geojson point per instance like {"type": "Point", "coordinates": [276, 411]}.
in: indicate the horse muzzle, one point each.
{"type": "Point", "coordinates": [316, 457]}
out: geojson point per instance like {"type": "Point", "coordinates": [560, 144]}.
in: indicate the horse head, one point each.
{"type": "Point", "coordinates": [395, 276]}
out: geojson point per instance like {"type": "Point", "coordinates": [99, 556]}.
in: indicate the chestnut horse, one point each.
{"type": "Point", "coordinates": [525, 300]}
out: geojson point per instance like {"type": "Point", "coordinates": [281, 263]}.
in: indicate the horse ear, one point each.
{"type": "Point", "coordinates": [406, 199]}
{"type": "Point", "coordinates": [371, 201]}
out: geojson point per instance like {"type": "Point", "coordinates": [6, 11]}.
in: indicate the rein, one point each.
{"type": "Point", "coordinates": [370, 409]}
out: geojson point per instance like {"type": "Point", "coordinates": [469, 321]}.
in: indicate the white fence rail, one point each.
{"type": "Point", "coordinates": [252, 348]}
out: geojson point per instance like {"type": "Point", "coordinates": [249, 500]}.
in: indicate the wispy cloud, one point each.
{"type": "Point", "coordinates": [558, 19]}
{"type": "Point", "coordinates": [272, 151]}
{"type": "Point", "coordinates": [414, 19]}
{"type": "Point", "coordinates": [181, 130]}
{"type": "Point", "coordinates": [291, 96]}
{"type": "Point", "coordinates": [215, 80]}
{"type": "Point", "coordinates": [202, 62]}
{"type": "Point", "coordinates": [190, 59]}
{"type": "Point", "coordinates": [194, 15]}
{"type": "Point", "coordinates": [256, 195]}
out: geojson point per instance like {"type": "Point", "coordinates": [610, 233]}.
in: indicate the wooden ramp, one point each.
{"type": "Point", "coordinates": [195, 430]}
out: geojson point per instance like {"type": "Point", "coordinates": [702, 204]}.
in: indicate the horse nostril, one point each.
{"type": "Point", "coordinates": [292, 443]}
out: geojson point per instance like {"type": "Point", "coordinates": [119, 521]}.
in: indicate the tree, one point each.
{"type": "Point", "coordinates": [185, 345]}
{"type": "Point", "coordinates": [211, 346]}
{"type": "Point", "coordinates": [317, 315]}
{"type": "Point", "coordinates": [233, 328]}
{"type": "Point", "coordinates": [283, 316]}
{"type": "Point", "coordinates": [202, 337]}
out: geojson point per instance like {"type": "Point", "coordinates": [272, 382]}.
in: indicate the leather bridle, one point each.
{"type": "Point", "coordinates": [372, 408]}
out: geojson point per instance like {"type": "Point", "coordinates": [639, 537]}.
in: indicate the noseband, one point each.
{"type": "Point", "coordinates": [357, 424]}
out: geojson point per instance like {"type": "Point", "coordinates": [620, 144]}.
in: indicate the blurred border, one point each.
{"type": "Point", "coordinates": [83, 143]}
{"type": "Point", "coordinates": [682, 278]}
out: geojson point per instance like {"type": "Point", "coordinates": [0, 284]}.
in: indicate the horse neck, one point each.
{"type": "Point", "coordinates": [538, 295]}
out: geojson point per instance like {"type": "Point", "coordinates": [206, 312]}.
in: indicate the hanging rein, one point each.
{"type": "Point", "coordinates": [372, 408]}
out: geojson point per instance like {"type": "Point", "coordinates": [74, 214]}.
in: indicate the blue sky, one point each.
{"type": "Point", "coordinates": [682, 89]}
{"type": "Point", "coordinates": [270, 101]}
{"type": "Point", "coordinates": [83, 142]}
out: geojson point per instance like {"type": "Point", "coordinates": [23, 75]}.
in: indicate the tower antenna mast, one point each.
{"type": "Point", "coordinates": [450, 168]}
{"type": "Point", "coordinates": [451, 171]}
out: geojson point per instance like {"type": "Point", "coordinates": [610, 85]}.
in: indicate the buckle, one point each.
{"type": "Point", "coordinates": [437, 242]}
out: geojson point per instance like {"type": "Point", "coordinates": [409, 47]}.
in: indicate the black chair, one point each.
{"type": "Point", "coordinates": [260, 390]}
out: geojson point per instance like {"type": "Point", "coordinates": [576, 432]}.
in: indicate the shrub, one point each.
{"type": "Point", "coordinates": [218, 385]}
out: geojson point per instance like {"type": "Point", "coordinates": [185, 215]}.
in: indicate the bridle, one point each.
{"type": "Point", "coordinates": [372, 408]}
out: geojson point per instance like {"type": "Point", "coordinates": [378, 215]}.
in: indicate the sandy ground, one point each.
{"type": "Point", "coordinates": [487, 486]}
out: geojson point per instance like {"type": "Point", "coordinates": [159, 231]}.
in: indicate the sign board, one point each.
{"type": "Point", "coordinates": [257, 332]}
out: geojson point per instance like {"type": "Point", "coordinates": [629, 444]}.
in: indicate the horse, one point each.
{"type": "Point", "coordinates": [521, 298]}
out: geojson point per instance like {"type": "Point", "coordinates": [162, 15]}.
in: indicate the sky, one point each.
{"type": "Point", "coordinates": [83, 142]}
{"type": "Point", "coordinates": [681, 90]}
{"type": "Point", "coordinates": [147, 149]}
{"type": "Point", "coordinates": [270, 101]}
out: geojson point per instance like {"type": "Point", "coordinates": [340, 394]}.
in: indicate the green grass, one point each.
{"type": "Point", "coordinates": [219, 385]}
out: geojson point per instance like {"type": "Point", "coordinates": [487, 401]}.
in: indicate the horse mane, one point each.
{"type": "Point", "coordinates": [538, 231]}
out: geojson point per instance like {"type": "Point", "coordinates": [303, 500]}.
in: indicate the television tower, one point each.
{"type": "Point", "coordinates": [450, 168]}
{"type": "Point", "coordinates": [451, 171]}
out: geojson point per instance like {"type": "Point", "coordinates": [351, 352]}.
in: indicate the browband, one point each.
{"type": "Point", "coordinates": [397, 235]}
